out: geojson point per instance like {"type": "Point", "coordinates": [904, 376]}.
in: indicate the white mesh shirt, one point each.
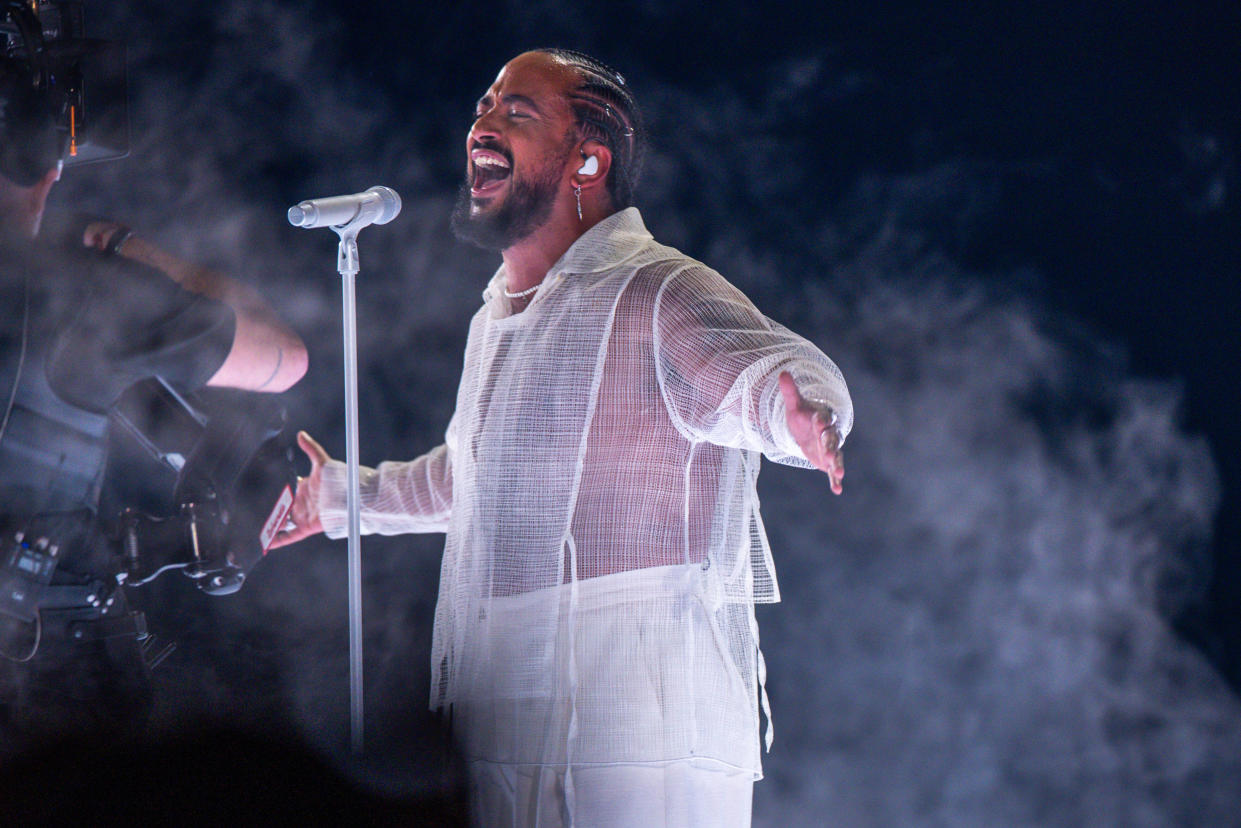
{"type": "Point", "coordinates": [597, 487]}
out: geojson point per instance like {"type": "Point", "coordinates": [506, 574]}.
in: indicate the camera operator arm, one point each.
{"type": "Point", "coordinates": [265, 355]}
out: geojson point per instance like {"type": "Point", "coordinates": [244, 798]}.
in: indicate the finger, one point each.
{"type": "Point", "coordinates": [788, 390]}
{"type": "Point", "coordinates": [94, 235]}
{"type": "Point", "coordinates": [816, 453]}
{"type": "Point", "coordinates": [317, 454]}
{"type": "Point", "coordinates": [99, 233]}
{"type": "Point", "coordinates": [290, 536]}
{"type": "Point", "coordinates": [835, 463]}
{"type": "Point", "coordinates": [831, 438]}
{"type": "Point", "coordinates": [299, 526]}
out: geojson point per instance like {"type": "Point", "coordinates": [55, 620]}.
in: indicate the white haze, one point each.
{"type": "Point", "coordinates": [974, 634]}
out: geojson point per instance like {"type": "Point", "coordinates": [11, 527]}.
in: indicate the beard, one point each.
{"type": "Point", "coordinates": [525, 209]}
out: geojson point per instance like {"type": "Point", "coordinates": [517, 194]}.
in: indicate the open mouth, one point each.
{"type": "Point", "coordinates": [489, 170]}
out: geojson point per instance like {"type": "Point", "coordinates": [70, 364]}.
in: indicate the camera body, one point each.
{"type": "Point", "coordinates": [217, 483]}
{"type": "Point", "coordinates": [63, 96]}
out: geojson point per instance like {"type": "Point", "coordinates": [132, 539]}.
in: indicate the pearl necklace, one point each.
{"type": "Point", "coordinates": [521, 294]}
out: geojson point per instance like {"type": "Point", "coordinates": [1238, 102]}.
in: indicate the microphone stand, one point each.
{"type": "Point", "coordinates": [378, 205]}
{"type": "Point", "coordinates": [347, 266]}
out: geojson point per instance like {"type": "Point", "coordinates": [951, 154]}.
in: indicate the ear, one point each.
{"type": "Point", "coordinates": [591, 166]}
{"type": "Point", "coordinates": [37, 197]}
{"type": "Point", "coordinates": [21, 208]}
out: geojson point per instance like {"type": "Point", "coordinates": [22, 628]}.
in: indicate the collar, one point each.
{"type": "Point", "coordinates": [600, 248]}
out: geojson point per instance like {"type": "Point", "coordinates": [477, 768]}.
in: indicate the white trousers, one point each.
{"type": "Point", "coordinates": [679, 794]}
{"type": "Point", "coordinates": [633, 668]}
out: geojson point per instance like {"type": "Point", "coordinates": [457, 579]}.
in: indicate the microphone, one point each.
{"type": "Point", "coordinates": [378, 205]}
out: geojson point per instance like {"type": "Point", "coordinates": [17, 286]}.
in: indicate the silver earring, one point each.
{"type": "Point", "coordinates": [577, 193]}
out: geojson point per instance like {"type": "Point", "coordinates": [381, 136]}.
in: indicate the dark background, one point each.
{"type": "Point", "coordinates": [1015, 231]}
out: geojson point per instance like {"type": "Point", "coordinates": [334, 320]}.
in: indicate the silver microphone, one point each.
{"type": "Point", "coordinates": [378, 205]}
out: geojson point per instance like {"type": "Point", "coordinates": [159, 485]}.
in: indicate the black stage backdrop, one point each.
{"type": "Point", "coordinates": [1016, 233]}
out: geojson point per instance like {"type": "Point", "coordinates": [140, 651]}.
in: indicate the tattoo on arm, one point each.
{"type": "Point", "coordinates": [275, 371]}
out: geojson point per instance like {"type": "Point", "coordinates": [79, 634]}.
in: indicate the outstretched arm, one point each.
{"type": "Point", "coordinates": [265, 354]}
{"type": "Point", "coordinates": [732, 377]}
{"type": "Point", "coordinates": [396, 498]}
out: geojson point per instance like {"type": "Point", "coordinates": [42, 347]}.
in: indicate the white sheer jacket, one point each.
{"type": "Point", "coordinates": [597, 486]}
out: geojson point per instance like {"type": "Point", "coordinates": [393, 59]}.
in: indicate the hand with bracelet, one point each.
{"type": "Point", "coordinates": [106, 236]}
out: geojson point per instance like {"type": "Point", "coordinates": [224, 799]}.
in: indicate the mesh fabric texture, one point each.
{"type": "Point", "coordinates": [597, 487]}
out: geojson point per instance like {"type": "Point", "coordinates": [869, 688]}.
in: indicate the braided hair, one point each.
{"type": "Point", "coordinates": [606, 111]}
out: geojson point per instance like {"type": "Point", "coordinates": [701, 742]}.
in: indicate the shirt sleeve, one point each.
{"type": "Point", "coordinates": [718, 361]}
{"type": "Point", "coordinates": [136, 323]}
{"type": "Point", "coordinates": [396, 497]}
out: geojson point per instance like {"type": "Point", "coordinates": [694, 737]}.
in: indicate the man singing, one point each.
{"type": "Point", "coordinates": [595, 635]}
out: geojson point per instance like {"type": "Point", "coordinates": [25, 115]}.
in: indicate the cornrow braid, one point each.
{"type": "Point", "coordinates": [606, 111]}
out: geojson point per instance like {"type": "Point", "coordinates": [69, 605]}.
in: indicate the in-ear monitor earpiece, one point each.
{"type": "Point", "coordinates": [590, 167]}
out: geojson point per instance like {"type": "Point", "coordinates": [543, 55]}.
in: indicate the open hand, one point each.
{"type": "Point", "coordinates": [304, 517]}
{"type": "Point", "coordinates": [813, 426]}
